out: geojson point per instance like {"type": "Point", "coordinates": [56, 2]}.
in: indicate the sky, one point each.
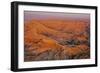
{"type": "Point", "coordinates": [41, 15]}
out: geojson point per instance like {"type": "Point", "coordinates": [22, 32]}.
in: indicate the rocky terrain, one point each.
{"type": "Point", "coordinates": [56, 40]}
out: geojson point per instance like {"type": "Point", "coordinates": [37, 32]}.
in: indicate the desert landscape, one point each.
{"type": "Point", "coordinates": [56, 38]}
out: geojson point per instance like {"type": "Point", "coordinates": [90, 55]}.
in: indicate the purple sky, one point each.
{"type": "Point", "coordinates": [40, 15]}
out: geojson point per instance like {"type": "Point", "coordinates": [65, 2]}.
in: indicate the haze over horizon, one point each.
{"type": "Point", "coordinates": [41, 15]}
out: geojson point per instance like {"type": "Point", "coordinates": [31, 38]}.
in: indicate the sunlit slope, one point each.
{"type": "Point", "coordinates": [56, 40]}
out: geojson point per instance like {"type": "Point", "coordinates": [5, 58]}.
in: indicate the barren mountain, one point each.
{"type": "Point", "coordinates": [56, 40]}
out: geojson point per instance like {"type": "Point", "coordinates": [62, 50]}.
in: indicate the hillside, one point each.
{"type": "Point", "coordinates": [56, 40]}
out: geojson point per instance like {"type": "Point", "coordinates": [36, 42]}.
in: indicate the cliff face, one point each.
{"type": "Point", "coordinates": [56, 40]}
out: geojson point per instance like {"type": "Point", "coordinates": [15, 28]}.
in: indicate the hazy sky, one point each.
{"type": "Point", "coordinates": [29, 15]}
